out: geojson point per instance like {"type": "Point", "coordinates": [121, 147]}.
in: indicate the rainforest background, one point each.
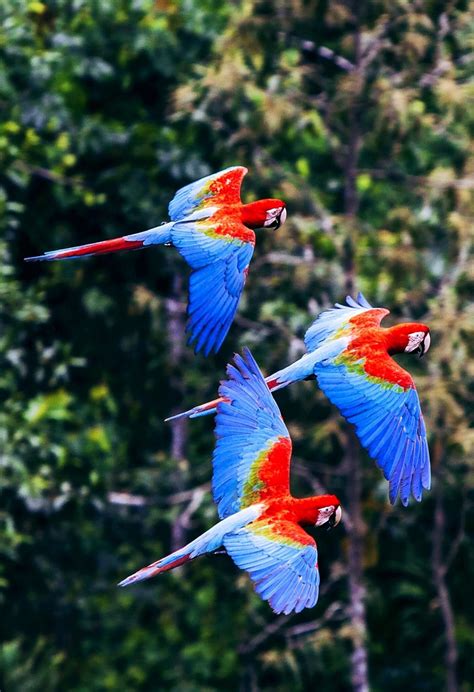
{"type": "Point", "coordinates": [360, 116]}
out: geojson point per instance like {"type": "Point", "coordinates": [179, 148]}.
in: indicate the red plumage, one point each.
{"type": "Point", "coordinates": [374, 344]}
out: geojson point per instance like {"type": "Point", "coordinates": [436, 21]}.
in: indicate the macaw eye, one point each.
{"type": "Point", "coordinates": [330, 515]}
{"type": "Point", "coordinates": [275, 217]}
{"type": "Point", "coordinates": [416, 342]}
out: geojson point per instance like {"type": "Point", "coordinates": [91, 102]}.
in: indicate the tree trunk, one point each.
{"type": "Point", "coordinates": [357, 592]}
{"type": "Point", "coordinates": [176, 327]}
{"type": "Point", "coordinates": [439, 578]}
{"type": "Point", "coordinates": [356, 529]}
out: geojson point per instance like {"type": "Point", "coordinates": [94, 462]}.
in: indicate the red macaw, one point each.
{"type": "Point", "coordinates": [260, 525]}
{"type": "Point", "coordinates": [212, 230]}
{"type": "Point", "coordinates": [349, 353]}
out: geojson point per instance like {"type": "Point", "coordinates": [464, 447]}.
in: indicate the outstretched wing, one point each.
{"type": "Point", "coordinates": [214, 295]}
{"type": "Point", "coordinates": [219, 250]}
{"type": "Point", "coordinates": [251, 459]}
{"type": "Point", "coordinates": [203, 196]}
{"type": "Point", "coordinates": [339, 320]}
{"type": "Point", "coordinates": [282, 561]}
{"type": "Point", "coordinates": [209, 234]}
{"type": "Point", "coordinates": [379, 397]}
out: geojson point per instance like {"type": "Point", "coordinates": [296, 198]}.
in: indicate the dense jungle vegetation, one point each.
{"type": "Point", "coordinates": [359, 115]}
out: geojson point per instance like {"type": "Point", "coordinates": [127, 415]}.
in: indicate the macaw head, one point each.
{"type": "Point", "coordinates": [412, 337]}
{"type": "Point", "coordinates": [266, 213]}
{"type": "Point", "coordinates": [328, 512]}
{"type": "Point", "coordinates": [418, 342]}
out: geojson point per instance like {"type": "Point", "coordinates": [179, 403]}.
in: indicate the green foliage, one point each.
{"type": "Point", "coordinates": [107, 108]}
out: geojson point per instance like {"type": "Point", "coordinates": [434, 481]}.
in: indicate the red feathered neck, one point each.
{"type": "Point", "coordinates": [397, 337]}
{"type": "Point", "coordinates": [254, 214]}
{"type": "Point", "coordinates": [308, 508]}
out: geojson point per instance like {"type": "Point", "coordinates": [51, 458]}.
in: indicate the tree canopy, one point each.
{"type": "Point", "coordinates": [354, 113]}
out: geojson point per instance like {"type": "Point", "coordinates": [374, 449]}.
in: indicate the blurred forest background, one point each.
{"type": "Point", "coordinates": [360, 116]}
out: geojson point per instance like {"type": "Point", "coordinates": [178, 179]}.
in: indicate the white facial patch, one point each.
{"type": "Point", "coordinates": [324, 514]}
{"type": "Point", "coordinates": [275, 213]}
{"type": "Point", "coordinates": [414, 340]}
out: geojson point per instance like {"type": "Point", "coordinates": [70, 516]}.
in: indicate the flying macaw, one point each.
{"type": "Point", "coordinates": [260, 525]}
{"type": "Point", "coordinates": [349, 353]}
{"type": "Point", "coordinates": [212, 230]}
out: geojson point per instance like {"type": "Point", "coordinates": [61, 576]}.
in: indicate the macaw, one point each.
{"type": "Point", "coordinates": [213, 231]}
{"type": "Point", "coordinates": [260, 521]}
{"type": "Point", "coordinates": [349, 354]}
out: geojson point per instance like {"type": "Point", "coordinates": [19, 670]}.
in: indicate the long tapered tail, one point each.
{"type": "Point", "coordinates": [205, 543]}
{"type": "Point", "coordinates": [202, 410]}
{"type": "Point", "coordinates": [163, 565]}
{"type": "Point", "coordinates": [301, 369]}
{"type": "Point", "coordinates": [210, 407]}
{"type": "Point", "coordinates": [154, 236]}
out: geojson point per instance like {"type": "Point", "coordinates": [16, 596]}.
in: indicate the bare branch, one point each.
{"type": "Point", "coordinates": [261, 637]}
{"type": "Point", "coordinates": [328, 54]}
{"type": "Point", "coordinates": [127, 499]}
{"type": "Point", "coordinates": [466, 183]}
{"type": "Point", "coordinates": [337, 607]}
{"type": "Point", "coordinates": [196, 501]}
{"type": "Point", "coordinates": [45, 173]}
{"type": "Point", "coordinates": [459, 537]}
{"type": "Point", "coordinates": [187, 495]}
{"type": "Point", "coordinates": [440, 66]}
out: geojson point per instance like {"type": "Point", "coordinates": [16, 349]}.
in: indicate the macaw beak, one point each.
{"type": "Point", "coordinates": [275, 218]}
{"type": "Point", "coordinates": [335, 518]}
{"type": "Point", "coordinates": [424, 346]}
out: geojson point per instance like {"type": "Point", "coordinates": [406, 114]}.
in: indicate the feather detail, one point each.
{"type": "Point", "coordinates": [282, 561]}
{"type": "Point", "coordinates": [206, 543]}
{"type": "Point", "coordinates": [251, 459]}
{"type": "Point", "coordinates": [218, 189]}
{"type": "Point", "coordinates": [387, 417]}
{"type": "Point", "coordinates": [339, 320]}
{"type": "Point", "coordinates": [155, 236]}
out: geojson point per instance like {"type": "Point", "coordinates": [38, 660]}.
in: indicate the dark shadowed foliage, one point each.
{"type": "Point", "coordinates": [356, 114]}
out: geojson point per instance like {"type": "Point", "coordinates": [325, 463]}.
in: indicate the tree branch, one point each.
{"type": "Point", "coordinates": [328, 54]}
{"type": "Point", "coordinates": [336, 608]}
{"type": "Point", "coordinates": [439, 578]}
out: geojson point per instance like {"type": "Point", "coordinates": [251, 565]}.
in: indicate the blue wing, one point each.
{"type": "Point", "coordinates": [330, 322]}
{"type": "Point", "coordinates": [282, 561]}
{"type": "Point", "coordinates": [214, 294]}
{"type": "Point", "coordinates": [253, 448]}
{"type": "Point", "coordinates": [388, 421]}
{"type": "Point", "coordinates": [200, 244]}
{"type": "Point", "coordinates": [204, 195]}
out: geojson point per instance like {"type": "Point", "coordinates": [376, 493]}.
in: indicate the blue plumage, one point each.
{"type": "Point", "coordinates": [214, 294]}
{"type": "Point", "coordinates": [206, 228]}
{"type": "Point", "coordinates": [329, 322]}
{"type": "Point", "coordinates": [205, 543]}
{"type": "Point", "coordinates": [248, 425]}
{"type": "Point", "coordinates": [280, 557]}
{"type": "Point", "coordinates": [285, 575]}
{"type": "Point", "coordinates": [200, 248]}
{"type": "Point", "coordinates": [389, 423]}
{"type": "Point", "coordinates": [160, 235]}
{"type": "Point", "coordinates": [190, 197]}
